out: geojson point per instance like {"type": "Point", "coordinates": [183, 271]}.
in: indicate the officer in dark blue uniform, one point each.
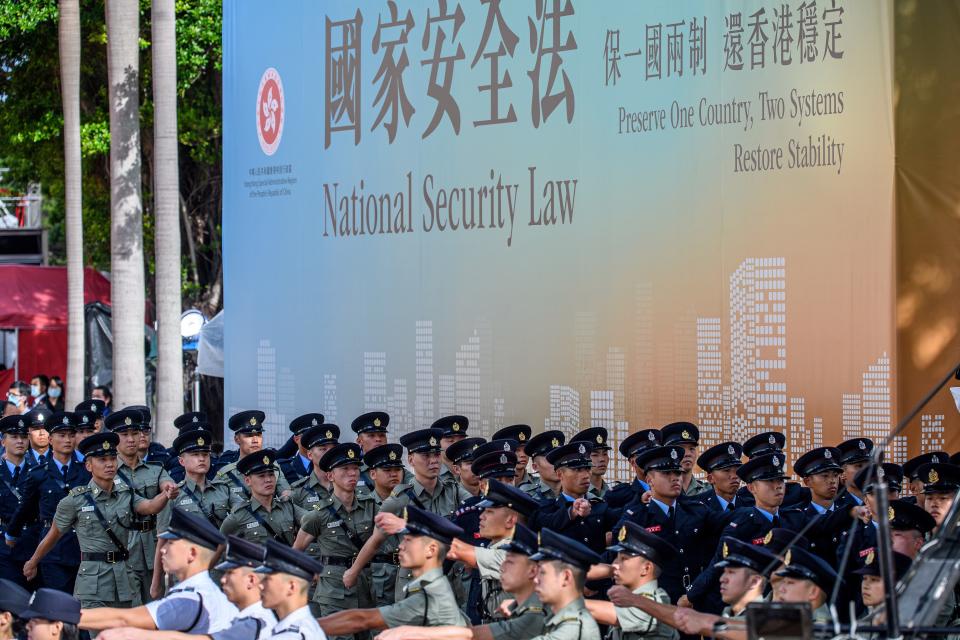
{"type": "Point", "coordinates": [912, 478]}
{"type": "Point", "coordinates": [854, 455]}
{"type": "Point", "coordinates": [547, 488]}
{"type": "Point", "coordinates": [865, 533]}
{"type": "Point", "coordinates": [299, 465]}
{"type": "Point", "coordinates": [47, 607]}
{"type": "Point", "coordinates": [820, 470]}
{"type": "Point", "coordinates": [192, 421]}
{"type": "Point", "coordinates": [686, 435]}
{"type": "Point", "coordinates": [13, 477]}
{"type": "Point", "coordinates": [461, 455]}
{"type": "Point", "coordinates": [36, 419]}
{"type": "Point", "coordinates": [623, 494]}
{"type": "Point", "coordinates": [773, 442]}
{"type": "Point", "coordinates": [521, 433]}
{"type": "Point", "coordinates": [46, 485]}
{"type": "Point", "coordinates": [764, 476]}
{"type": "Point", "coordinates": [721, 463]}
{"type": "Point", "coordinates": [688, 525]}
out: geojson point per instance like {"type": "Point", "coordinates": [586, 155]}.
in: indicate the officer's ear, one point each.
{"type": "Point", "coordinates": [236, 438]}
{"type": "Point", "coordinates": [88, 464]}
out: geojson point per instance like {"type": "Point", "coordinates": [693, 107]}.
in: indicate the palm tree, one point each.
{"type": "Point", "coordinates": [70, 91]}
{"type": "Point", "coordinates": [126, 209]}
{"type": "Point", "coordinates": [166, 189]}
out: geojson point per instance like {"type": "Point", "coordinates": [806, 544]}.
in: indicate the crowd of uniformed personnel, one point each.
{"type": "Point", "coordinates": [442, 535]}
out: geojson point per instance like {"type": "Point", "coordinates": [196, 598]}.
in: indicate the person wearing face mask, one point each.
{"type": "Point", "coordinates": [38, 390]}
{"type": "Point", "coordinates": [18, 396]}
{"type": "Point", "coordinates": [54, 399]}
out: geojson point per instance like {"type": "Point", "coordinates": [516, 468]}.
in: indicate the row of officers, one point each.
{"type": "Point", "coordinates": [84, 520]}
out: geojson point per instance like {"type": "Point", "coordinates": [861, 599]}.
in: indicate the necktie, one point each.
{"type": "Point", "coordinates": [731, 506]}
{"type": "Point", "coordinates": [776, 521]}
{"type": "Point", "coordinates": [16, 474]}
{"type": "Point", "coordinates": [670, 514]}
{"type": "Point", "coordinates": [64, 470]}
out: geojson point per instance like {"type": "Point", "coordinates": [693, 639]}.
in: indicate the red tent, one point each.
{"type": "Point", "coordinates": [33, 300]}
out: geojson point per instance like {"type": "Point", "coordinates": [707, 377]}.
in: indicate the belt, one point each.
{"type": "Point", "coordinates": [335, 561]}
{"type": "Point", "coordinates": [143, 524]}
{"type": "Point", "coordinates": [112, 557]}
{"type": "Point", "coordinates": [387, 558]}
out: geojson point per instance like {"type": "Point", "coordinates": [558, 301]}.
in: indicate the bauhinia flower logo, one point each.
{"type": "Point", "coordinates": [271, 111]}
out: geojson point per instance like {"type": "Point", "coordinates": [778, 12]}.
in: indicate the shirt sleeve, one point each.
{"type": "Point", "coordinates": [634, 620]}
{"type": "Point", "coordinates": [410, 610]}
{"type": "Point", "coordinates": [239, 629]}
{"type": "Point", "coordinates": [489, 561]}
{"type": "Point", "coordinates": [177, 612]}
{"type": "Point", "coordinates": [163, 518]}
{"type": "Point", "coordinates": [394, 505]}
{"type": "Point", "coordinates": [312, 523]}
{"type": "Point", "coordinates": [528, 625]}
{"type": "Point", "coordinates": [230, 525]}
{"type": "Point", "coordinates": [66, 516]}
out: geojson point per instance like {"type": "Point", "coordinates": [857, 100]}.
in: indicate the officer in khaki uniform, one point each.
{"type": "Point", "coordinates": [100, 512]}
{"type": "Point", "coordinates": [562, 561]}
{"type": "Point", "coordinates": [800, 567]}
{"type": "Point", "coordinates": [247, 427]}
{"type": "Point", "coordinates": [265, 515]}
{"type": "Point", "coordinates": [197, 495]}
{"type": "Point", "coordinates": [454, 430]}
{"type": "Point", "coordinates": [146, 480]}
{"type": "Point", "coordinates": [547, 488]}
{"type": "Point", "coordinates": [311, 490]}
{"type": "Point", "coordinates": [385, 468]}
{"type": "Point", "coordinates": [340, 527]}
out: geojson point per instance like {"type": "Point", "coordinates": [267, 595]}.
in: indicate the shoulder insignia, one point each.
{"type": "Point", "coordinates": [181, 483]}
{"type": "Point", "coordinates": [78, 490]}
{"type": "Point", "coordinates": [400, 488]}
{"type": "Point", "coordinates": [416, 589]}
{"type": "Point", "coordinates": [535, 609]}
{"type": "Point", "coordinates": [649, 595]}
{"type": "Point", "coordinates": [570, 619]}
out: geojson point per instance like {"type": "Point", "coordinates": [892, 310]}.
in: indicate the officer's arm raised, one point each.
{"type": "Point", "coordinates": [107, 617]}
{"type": "Point", "coordinates": [155, 505]}
{"type": "Point", "coordinates": [132, 633]}
{"type": "Point", "coordinates": [344, 623]}
{"type": "Point", "coordinates": [602, 611]}
{"type": "Point", "coordinates": [436, 633]}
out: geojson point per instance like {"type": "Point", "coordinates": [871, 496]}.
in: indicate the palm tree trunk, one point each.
{"type": "Point", "coordinates": [126, 209]}
{"type": "Point", "coordinates": [73, 179]}
{"type": "Point", "coordinates": [166, 189]}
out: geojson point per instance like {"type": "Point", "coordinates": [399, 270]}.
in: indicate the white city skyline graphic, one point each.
{"type": "Point", "coordinates": [688, 379]}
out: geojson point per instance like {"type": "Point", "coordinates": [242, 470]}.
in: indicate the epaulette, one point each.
{"type": "Point", "coordinates": [649, 595]}
{"type": "Point", "coordinates": [299, 482]}
{"type": "Point", "coordinates": [569, 619]}
{"type": "Point", "coordinates": [416, 589]}
{"type": "Point", "coordinates": [78, 490]}
{"type": "Point", "coordinates": [535, 609]}
{"type": "Point", "coordinates": [155, 463]}
{"type": "Point", "coordinates": [400, 488]}
{"type": "Point", "coordinates": [182, 482]}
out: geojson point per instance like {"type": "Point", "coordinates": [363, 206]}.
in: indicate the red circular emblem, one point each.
{"type": "Point", "coordinates": [271, 111]}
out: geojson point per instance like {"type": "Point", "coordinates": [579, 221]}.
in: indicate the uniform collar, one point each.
{"type": "Point", "coordinates": [571, 610]}
{"type": "Point", "coordinates": [12, 467]}
{"type": "Point", "coordinates": [663, 505]}
{"type": "Point", "coordinates": [307, 463]}
{"type": "Point", "coordinates": [766, 514]}
{"type": "Point", "coordinates": [196, 580]}
{"type": "Point", "coordinates": [533, 602]}
{"type": "Point", "coordinates": [428, 576]}
{"type": "Point", "coordinates": [303, 613]}
{"type": "Point", "coordinates": [648, 587]}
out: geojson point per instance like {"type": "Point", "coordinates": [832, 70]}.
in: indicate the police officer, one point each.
{"type": "Point", "coordinates": [51, 614]}
{"type": "Point", "coordinates": [745, 570]}
{"type": "Point", "coordinates": [385, 467]}
{"type": "Point", "coordinates": [196, 494]}
{"type": "Point", "coordinates": [13, 600]}
{"type": "Point", "coordinates": [599, 458]}
{"type": "Point", "coordinates": [87, 425]}
{"type": "Point", "coordinates": [241, 585]}
{"type": "Point", "coordinates": [428, 599]}
{"type": "Point", "coordinates": [310, 491]}
{"type": "Point", "coordinates": [521, 433]}
{"type": "Point", "coordinates": [13, 479]}
{"type": "Point", "coordinates": [46, 485]}
{"type": "Point", "coordinates": [460, 455]}
{"type": "Point", "coordinates": [872, 590]}
{"type": "Point", "coordinates": [854, 455]}
{"type": "Point", "coordinates": [548, 488]}
{"type": "Point", "coordinates": [634, 444]}
{"type": "Point", "coordinates": [564, 563]}
{"type": "Point", "coordinates": [820, 471]}
{"type": "Point", "coordinates": [340, 526]}
{"type": "Point", "coordinates": [100, 512]}
{"type": "Point", "coordinates": [247, 427]}
{"type": "Point", "coordinates": [773, 442]}
{"type": "Point", "coordinates": [184, 423]}
{"type": "Point", "coordinates": [686, 435]}
{"type": "Point", "coordinates": [196, 605]}
{"type": "Point", "coordinates": [721, 463]}
{"type": "Point", "coordinates": [454, 429]}
{"type": "Point", "coordinates": [371, 430]}
{"type": "Point", "coordinates": [264, 515]}
{"type": "Point", "coordinates": [941, 481]}
{"type": "Point", "coordinates": [39, 437]}
{"type": "Point", "coordinates": [910, 468]}
{"type": "Point", "coordinates": [640, 558]}
{"type": "Point", "coordinates": [807, 578]}
{"type": "Point", "coordinates": [97, 407]}
{"type": "Point", "coordinates": [287, 575]}
{"type": "Point", "coordinates": [300, 465]}
{"type": "Point", "coordinates": [145, 480]}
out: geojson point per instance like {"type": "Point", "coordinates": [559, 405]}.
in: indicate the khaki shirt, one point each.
{"type": "Point", "coordinates": [633, 624]}
{"type": "Point", "coordinates": [573, 622]}
{"type": "Point", "coordinates": [98, 580]}
{"type": "Point", "coordinates": [821, 615]}
{"type": "Point", "coordinates": [528, 482]}
{"type": "Point", "coordinates": [309, 494]}
{"type": "Point", "coordinates": [146, 480]}
{"type": "Point", "coordinates": [492, 594]}
{"type": "Point", "coordinates": [283, 518]}
{"type": "Point", "coordinates": [526, 620]}
{"type": "Point", "coordinates": [728, 611]}
{"type": "Point", "coordinates": [232, 481]}
{"type": "Point", "coordinates": [697, 486]}
{"type": "Point", "coordinates": [428, 602]}
{"type": "Point", "coordinates": [599, 493]}
{"type": "Point", "coordinates": [542, 491]}
{"type": "Point", "coordinates": [383, 575]}
{"type": "Point", "coordinates": [211, 501]}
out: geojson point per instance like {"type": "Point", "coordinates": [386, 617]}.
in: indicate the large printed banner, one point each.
{"type": "Point", "coordinates": [563, 213]}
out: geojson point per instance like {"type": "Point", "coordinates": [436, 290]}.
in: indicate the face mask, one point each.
{"type": "Point", "coordinates": [34, 390]}
{"type": "Point", "coordinates": [13, 399]}
{"type": "Point", "coordinates": [54, 392]}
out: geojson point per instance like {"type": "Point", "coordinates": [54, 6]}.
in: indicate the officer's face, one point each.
{"type": "Point", "coordinates": [446, 441]}
{"type": "Point", "coordinates": [575, 482]}
{"type": "Point", "coordinates": [83, 434]}
{"type": "Point", "coordinates": [599, 459]}
{"type": "Point", "coordinates": [517, 572]}
{"type": "Point", "coordinates": [872, 590]}
{"type": "Point", "coordinates": [467, 476]}
{"type": "Point", "coordinates": [263, 483]}
{"type": "Point", "coordinates": [725, 481]}
{"type": "Point", "coordinates": [850, 472]}
{"type": "Point", "coordinates": [665, 484]}
{"type": "Point", "coordinates": [425, 465]}
{"type": "Point", "coordinates": [545, 469]}
{"type": "Point", "coordinates": [40, 629]}
{"type": "Point", "coordinates": [195, 461]}
{"type": "Point", "coordinates": [413, 551]}
{"type": "Point", "coordinates": [102, 467]}
{"type": "Point", "coordinates": [796, 590]}
{"type": "Point", "coordinates": [39, 438]}
{"type": "Point", "coordinates": [386, 478]}
{"type": "Point", "coordinates": [62, 441]}
{"type": "Point", "coordinates": [317, 452]}
{"type": "Point", "coordinates": [16, 443]}
{"type": "Point", "coordinates": [824, 485]}
{"type": "Point", "coordinates": [275, 588]}
{"type": "Point", "coordinates": [175, 555]}
{"type": "Point", "coordinates": [497, 522]}
{"type": "Point", "coordinates": [630, 569]}
{"type": "Point", "coordinates": [768, 493]}
{"type": "Point", "coordinates": [144, 435]}
{"type": "Point", "coordinates": [689, 457]}
{"type": "Point", "coordinates": [551, 580]}
{"type": "Point", "coordinates": [248, 442]}
{"type": "Point", "coordinates": [346, 477]}
{"type": "Point", "coordinates": [522, 459]}
{"type": "Point", "coordinates": [371, 440]}
{"type": "Point", "coordinates": [129, 441]}
{"type": "Point", "coordinates": [734, 583]}
{"type": "Point", "coordinates": [906, 542]}
{"type": "Point", "coordinates": [237, 581]}
{"type": "Point", "coordinates": [938, 504]}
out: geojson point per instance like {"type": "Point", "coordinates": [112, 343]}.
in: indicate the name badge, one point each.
{"type": "Point", "coordinates": [187, 501]}
{"type": "Point", "coordinates": [654, 529]}
{"type": "Point", "coordinates": [253, 525]}
{"type": "Point", "coordinates": [313, 499]}
{"type": "Point", "coordinates": [87, 508]}
{"type": "Point", "coordinates": [331, 525]}
{"type": "Point", "coordinates": [236, 489]}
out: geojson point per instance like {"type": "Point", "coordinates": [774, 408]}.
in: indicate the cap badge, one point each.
{"type": "Point", "coordinates": [106, 445]}
{"type": "Point", "coordinates": [393, 455]}
{"type": "Point", "coordinates": [553, 443]}
{"type": "Point", "coordinates": [127, 421]}
{"type": "Point", "coordinates": [861, 444]}
{"type": "Point", "coordinates": [827, 454]}
{"type": "Point", "coordinates": [329, 433]}
{"type": "Point", "coordinates": [503, 458]}
{"type": "Point", "coordinates": [20, 423]}
{"type": "Point", "coordinates": [776, 461]}
{"type": "Point", "coordinates": [935, 459]}
{"type": "Point", "coordinates": [376, 422]}
{"type": "Point", "coordinates": [599, 439]}
{"type": "Point", "coordinates": [673, 453]}
{"type": "Point", "coordinates": [731, 450]}
{"type": "Point", "coordinates": [772, 439]}
{"type": "Point", "coordinates": [726, 550]}
{"type": "Point", "coordinates": [351, 454]}
{"type": "Point", "coordinates": [506, 446]}
{"type": "Point", "coordinates": [623, 534]}
{"type": "Point", "coordinates": [266, 459]}
{"type": "Point", "coordinates": [934, 477]}
{"type": "Point", "coordinates": [786, 559]}
{"type": "Point", "coordinates": [85, 419]}
{"type": "Point", "coordinates": [768, 538]}
{"type": "Point", "coordinates": [433, 441]}
{"type": "Point", "coordinates": [880, 472]}
{"type": "Point", "coordinates": [475, 447]}
{"type": "Point", "coordinates": [253, 421]}
{"type": "Point", "coordinates": [455, 427]}
{"type": "Point", "coordinates": [651, 436]}
{"type": "Point", "coordinates": [685, 434]}
{"type": "Point", "coordinates": [195, 419]}
{"type": "Point", "coordinates": [870, 557]}
{"type": "Point", "coordinates": [66, 420]}
{"type": "Point", "coordinates": [313, 422]}
{"type": "Point", "coordinates": [891, 514]}
{"type": "Point", "coordinates": [521, 436]}
{"type": "Point", "coordinates": [404, 513]}
{"type": "Point", "coordinates": [582, 449]}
